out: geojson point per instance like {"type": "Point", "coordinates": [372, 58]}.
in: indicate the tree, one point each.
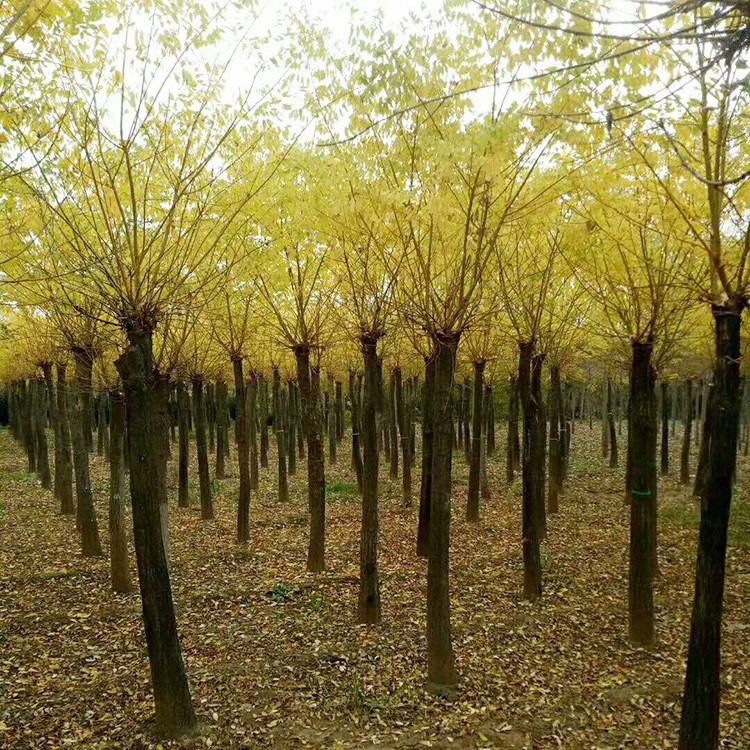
{"type": "Point", "coordinates": [524, 277]}
{"type": "Point", "coordinates": [370, 298]}
{"type": "Point", "coordinates": [298, 292]}
{"type": "Point", "coordinates": [449, 238]}
{"type": "Point", "coordinates": [200, 359]}
{"type": "Point", "coordinates": [232, 330]}
{"type": "Point", "coordinates": [136, 198]}
{"type": "Point", "coordinates": [637, 276]}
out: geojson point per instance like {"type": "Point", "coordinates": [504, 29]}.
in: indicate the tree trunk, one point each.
{"type": "Point", "coordinates": [279, 419]}
{"type": "Point", "coordinates": [204, 477]}
{"type": "Point", "coordinates": [369, 581]}
{"type": "Point", "coordinates": [490, 404]}
{"type": "Point", "coordinates": [107, 419]}
{"type": "Point", "coordinates": [211, 415]}
{"type": "Point", "coordinates": [355, 407]}
{"type": "Point", "coordinates": [13, 410]}
{"type": "Point", "coordinates": [49, 390]}
{"type": "Point", "coordinates": [441, 668]}
{"type": "Point", "coordinates": [699, 727]}
{"type": "Point", "coordinates": [39, 401]}
{"type": "Point", "coordinates": [291, 425]}
{"type": "Point", "coordinates": [331, 419]}
{"type": "Point", "coordinates": [466, 413]}
{"type": "Point", "coordinates": [183, 456]}
{"type": "Point", "coordinates": [159, 395]}
{"type": "Point", "coordinates": [611, 424]}
{"type": "Point", "coordinates": [392, 429]}
{"type": "Point", "coordinates": [413, 396]}
{"type": "Point", "coordinates": [458, 415]}
{"type": "Point", "coordinates": [227, 418]}
{"type": "Point", "coordinates": [356, 427]}
{"type": "Point", "coordinates": [251, 385]}
{"type": "Point", "coordinates": [605, 422]}
{"type": "Point", "coordinates": [100, 422]}
{"type": "Point", "coordinates": [485, 482]}
{"type": "Point", "coordinates": [92, 415]}
{"type": "Point", "coordinates": [174, 708]}
{"type": "Point", "coordinates": [86, 515]}
{"type": "Point", "coordinates": [118, 534]}
{"type": "Point", "coordinates": [567, 420]}
{"type": "Point", "coordinates": [555, 446]}
{"type": "Point", "coordinates": [84, 363]}
{"type": "Point", "coordinates": [698, 403]}
{"type": "Point", "coordinates": [222, 428]}
{"type": "Point", "coordinates": [532, 566]}
{"type": "Point", "coordinates": [300, 424]}
{"type": "Point", "coordinates": [263, 416]}
{"type": "Point", "coordinates": [702, 470]}
{"type": "Point", "coordinates": [744, 419]}
{"type": "Point", "coordinates": [339, 411]}
{"type": "Point", "coordinates": [243, 454]}
{"type": "Point", "coordinates": [383, 428]}
{"type": "Point", "coordinates": [642, 469]}
{"type": "Point", "coordinates": [403, 407]}
{"type": "Point", "coordinates": [316, 483]}
{"type": "Point", "coordinates": [127, 448]}
{"type": "Point", "coordinates": [29, 428]}
{"type": "Point", "coordinates": [475, 468]}
{"type": "Point", "coordinates": [540, 444]}
{"type": "Point", "coordinates": [425, 488]}
{"type": "Point", "coordinates": [513, 449]}
{"type": "Point", "coordinates": [173, 412]}
{"type": "Point", "coordinates": [64, 472]}
{"type": "Point", "coordinates": [685, 452]}
{"type": "Point", "coordinates": [20, 412]}
{"type": "Point", "coordinates": [666, 406]}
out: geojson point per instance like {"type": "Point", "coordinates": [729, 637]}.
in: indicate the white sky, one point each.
{"type": "Point", "coordinates": [336, 13]}
{"type": "Point", "coordinates": [338, 16]}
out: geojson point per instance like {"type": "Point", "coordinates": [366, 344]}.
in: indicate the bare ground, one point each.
{"type": "Point", "coordinates": [276, 659]}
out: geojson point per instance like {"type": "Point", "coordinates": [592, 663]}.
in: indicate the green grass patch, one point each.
{"type": "Point", "coordinates": [280, 593]}
{"type": "Point", "coordinates": [687, 515]}
{"type": "Point", "coordinates": [319, 602]}
{"type": "Point", "coordinates": [739, 524]}
{"type": "Point", "coordinates": [341, 491]}
{"type": "Point", "coordinates": [682, 514]}
{"type": "Point", "coordinates": [17, 477]}
{"type": "Point", "coordinates": [586, 465]}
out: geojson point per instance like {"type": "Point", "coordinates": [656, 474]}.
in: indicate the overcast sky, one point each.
{"type": "Point", "coordinates": [338, 16]}
{"type": "Point", "coordinates": [336, 13]}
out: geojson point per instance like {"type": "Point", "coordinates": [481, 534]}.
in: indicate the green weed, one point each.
{"type": "Point", "coordinates": [280, 593]}
{"type": "Point", "coordinates": [687, 515]}
{"type": "Point", "coordinates": [319, 603]}
{"type": "Point", "coordinates": [341, 491]}
{"type": "Point", "coordinates": [17, 477]}
{"type": "Point", "coordinates": [546, 558]}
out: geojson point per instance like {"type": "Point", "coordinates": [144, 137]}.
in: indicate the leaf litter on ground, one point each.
{"type": "Point", "coordinates": [275, 656]}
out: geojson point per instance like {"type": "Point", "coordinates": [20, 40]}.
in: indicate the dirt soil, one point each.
{"type": "Point", "coordinates": [276, 659]}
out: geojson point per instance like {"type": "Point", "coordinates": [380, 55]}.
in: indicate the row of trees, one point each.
{"type": "Point", "coordinates": [35, 402]}
{"type": "Point", "coordinates": [162, 229]}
